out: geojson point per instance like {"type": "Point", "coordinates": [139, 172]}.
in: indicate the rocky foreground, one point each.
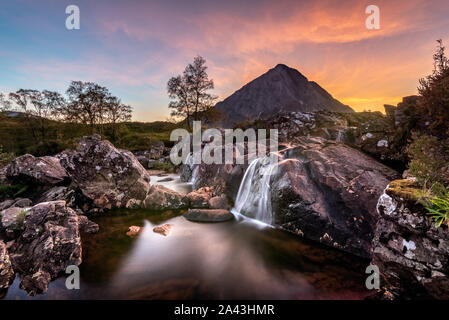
{"type": "Point", "coordinates": [40, 234]}
{"type": "Point", "coordinates": [332, 185]}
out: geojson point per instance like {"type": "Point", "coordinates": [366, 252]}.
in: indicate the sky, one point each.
{"type": "Point", "coordinates": [133, 47]}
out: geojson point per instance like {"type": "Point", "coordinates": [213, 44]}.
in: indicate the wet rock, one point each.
{"type": "Point", "coordinates": [411, 252]}
{"type": "Point", "coordinates": [134, 231]}
{"type": "Point", "coordinates": [50, 242]}
{"type": "Point", "coordinates": [162, 198]}
{"type": "Point", "coordinates": [208, 215]}
{"type": "Point", "coordinates": [164, 229]}
{"type": "Point", "coordinates": [200, 198]}
{"type": "Point", "coordinates": [109, 177]}
{"type": "Point", "coordinates": [86, 225]}
{"type": "Point", "coordinates": [220, 202]}
{"type": "Point", "coordinates": [166, 179]}
{"type": "Point", "coordinates": [6, 270]}
{"type": "Point", "coordinates": [43, 171]}
{"type": "Point", "coordinates": [328, 192]}
{"type": "Point", "coordinates": [36, 283]}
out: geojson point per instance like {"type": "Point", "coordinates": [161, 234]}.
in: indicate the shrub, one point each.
{"type": "Point", "coordinates": [428, 163]}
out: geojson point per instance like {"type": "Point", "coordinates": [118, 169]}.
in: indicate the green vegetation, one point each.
{"type": "Point", "coordinates": [5, 157]}
{"type": "Point", "coordinates": [429, 149]}
{"type": "Point", "coordinates": [439, 210]}
{"type": "Point", "coordinates": [8, 191]}
{"type": "Point", "coordinates": [428, 160]}
{"type": "Point", "coordinates": [18, 139]}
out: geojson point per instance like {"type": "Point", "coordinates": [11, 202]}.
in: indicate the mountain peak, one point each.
{"type": "Point", "coordinates": [279, 89]}
{"type": "Point", "coordinates": [281, 66]}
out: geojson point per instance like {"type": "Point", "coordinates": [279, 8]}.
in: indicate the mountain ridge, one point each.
{"type": "Point", "coordinates": [279, 89]}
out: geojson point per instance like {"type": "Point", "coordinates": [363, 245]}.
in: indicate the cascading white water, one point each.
{"type": "Point", "coordinates": [254, 195]}
{"type": "Point", "coordinates": [193, 168]}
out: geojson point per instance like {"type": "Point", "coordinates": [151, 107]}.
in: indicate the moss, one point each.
{"type": "Point", "coordinates": [406, 189]}
{"type": "Point", "coordinates": [20, 219]}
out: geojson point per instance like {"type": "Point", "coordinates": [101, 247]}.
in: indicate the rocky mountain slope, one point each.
{"type": "Point", "coordinates": [280, 89]}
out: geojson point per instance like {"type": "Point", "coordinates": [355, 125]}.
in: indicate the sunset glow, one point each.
{"type": "Point", "coordinates": [134, 47]}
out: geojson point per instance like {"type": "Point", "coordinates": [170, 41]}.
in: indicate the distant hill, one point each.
{"type": "Point", "coordinates": [280, 89]}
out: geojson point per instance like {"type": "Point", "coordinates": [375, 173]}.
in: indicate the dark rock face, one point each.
{"type": "Point", "coordinates": [280, 89]}
{"type": "Point", "coordinates": [58, 193]}
{"type": "Point", "coordinates": [43, 171]}
{"type": "Point", "coordinates": [208, 215]}
{"type": "Point", "coordinates": [411, 253]}
{"type": "Point", "coordinates": [50, 242]}
{"type": "Point", "coordinates": [6, 271]}
{"type": "Point", "coordinates": [328, 192]}
{"type": "Point", "coordinates": [109, 177]}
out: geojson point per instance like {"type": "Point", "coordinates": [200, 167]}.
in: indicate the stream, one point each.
{"type": "Point", "coordinates": [240, 259]}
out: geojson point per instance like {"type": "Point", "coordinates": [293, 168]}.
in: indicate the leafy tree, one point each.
{"type": "Point", "coordinates": [38, 107]}
{"type": "Point", "coordinates": [86, 104]}
{"type": "Point", "coordinates": [116, 112]}
{"type": "Point", "coordinates": [190, 92]}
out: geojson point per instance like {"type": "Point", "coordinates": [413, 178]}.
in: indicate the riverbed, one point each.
{"type": "Point", "coordinates": [239, 259]}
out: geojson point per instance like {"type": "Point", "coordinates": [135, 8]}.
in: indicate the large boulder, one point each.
{"type": "Point", "coordinates": [328, 192]}
{"type": "Point", "coordinates": [50, 242]}
{"type": "Point", "coordinates": [43, 171]}
{"type": "Point", "coordinates": [6, 270]}
{"type": "Point", "coordinates": [162, 198]}
{"type": "Point", "coordinates": [109, 177]}
{"type": "Point", "coordinates": [411, 253]}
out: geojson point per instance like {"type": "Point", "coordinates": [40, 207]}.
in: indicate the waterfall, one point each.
{"type": "Point", "coordinates": [254, 195]}
{"type": "Point", "coordinates": [340, 136]}
{"type": "Point", "coordinates": [192, 167]}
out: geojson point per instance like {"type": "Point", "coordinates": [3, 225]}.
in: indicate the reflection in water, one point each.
{"type": "Point", "coordinates": [232, 260]}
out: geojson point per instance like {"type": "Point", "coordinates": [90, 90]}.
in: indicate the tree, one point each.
{"type": "Point", "coordinates": [190, 91]}
{"type": "Point", "coordinates": [86, 103]}
{"type": "Point", "coordinates": [26, 99]}
{"type": "Point", "coordinates": [38, 108]}
{"type": "Point", "coordinates": [433, 104]}
{"type": "Point", "coordinates": [116, 112]}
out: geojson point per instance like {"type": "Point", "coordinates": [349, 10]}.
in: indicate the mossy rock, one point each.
{"type": "Point", "coordinates": [406, 189]}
